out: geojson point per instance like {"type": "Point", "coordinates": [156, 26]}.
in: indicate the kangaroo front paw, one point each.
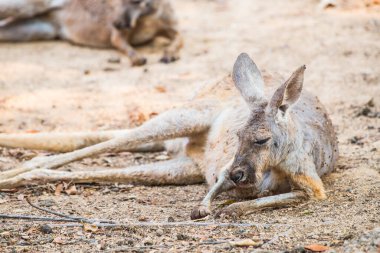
{"type": "Point", "coordinates": [199, 212]}
{"type": "Point", "coordinates": [320, 194]}
{"type": "Point", "coordinates": [138, 61]}
{"type": "Point", "coordinates": [168, 58]}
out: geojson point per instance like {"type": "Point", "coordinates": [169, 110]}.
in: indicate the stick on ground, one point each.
{"type": "Point", "coordinates": [72, 218]}
{"type": "Point", "coordinates": [135, 224]}
{"type": "Point", "coordinates": [34, 218]}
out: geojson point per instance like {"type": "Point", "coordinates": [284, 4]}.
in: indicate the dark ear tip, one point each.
{"type": "Point", "coordinates": [301, 69]}
{"type": "Point", "coordinates": [244, 54]}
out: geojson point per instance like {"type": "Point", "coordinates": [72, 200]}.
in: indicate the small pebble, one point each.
{"type": "Point", "coordinates": [148, 242]}
{"type": "Point", "coordinates": [161, 157]}
{"type": "Point", "coordinates": [159, 232]}
{"type": "Point", "coordinates": [47, 203]}
{"type": "Point", "coordinates": [114, 60]}
{"type": "Point", "coordinates": [182, 237]}
{"type": "Point", "coordinates": [46, 229]}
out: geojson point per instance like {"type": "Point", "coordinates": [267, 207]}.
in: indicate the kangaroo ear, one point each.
{"type": "Point", "coordinates": [247, 78]}
{"type": "Point", "coordinates": [289, 92]}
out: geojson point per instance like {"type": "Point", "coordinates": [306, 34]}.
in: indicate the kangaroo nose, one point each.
{"type": "Point", "coordinates": [118, 25]}
{"type": "Point", "coordinates": [121, 24]}
{"type": "Point", "coordinates": [237, 176]}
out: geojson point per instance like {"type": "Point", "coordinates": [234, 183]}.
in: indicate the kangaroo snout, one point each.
{"type": "Point", "coordinates": [237, 176]}
{"type": "Point", "coordinates": [242, 175]}
{"type": "Point", "coordinates": [127, 21]}
{"type": "Point", "coordinates": [120, 24]}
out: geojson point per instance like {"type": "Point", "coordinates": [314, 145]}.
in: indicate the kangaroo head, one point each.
{"type": "Point", "coordinates": [132, 10]}
{"type": "Point", "coordinates": [264, 139]}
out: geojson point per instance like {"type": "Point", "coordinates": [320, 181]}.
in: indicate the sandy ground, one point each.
{"type": "Point", "coordinates": [54, 86]}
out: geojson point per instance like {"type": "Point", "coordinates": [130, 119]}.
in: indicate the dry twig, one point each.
{"type": "Point", "coordinates": [115, 224]}
{"type": "Point", "coordinates": [34, 218]}
{"type": "Point", "coordinates": [72, 218]}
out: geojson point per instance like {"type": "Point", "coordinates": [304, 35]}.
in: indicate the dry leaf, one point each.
{"type": "Point", "coordinates": [88, 192]}
{"type": "Point", "coordinates": [65, 185]}
{"type": "Point", "coordinates": [246, 243]}
{"type": "Point", "coordinates": [143, 218]}
{"type": "Point", "coordinates": [114, 60]}
{"type": "Point", "coordinates": [307, 212]}
{"type": "Point", "coordinates": [32, 131]}
{"type": "Point", "coordinates": [5, 233]}
{"type": "Point", "coordinates": [152, 114]}
{"type": "Point", "coordinates": [162, 157]}
{"type": "Point", "coordinates": [58, 240]}
{"type": "Point", "coordinates": [58, 189]}
{"type": "Point", "coordinates": [32, 230]}
{"type": "Point", "coordinates": [186, 74]}
{"type": "Point", "coordinates": [90, 227]}
{"type": "Point", "coordinates": [9, 190]}
{"type": "Point", "coordinates": [72, 190]}
{"type": "Point", "coordinates": [2, 201]}
{"type": "Point", "coordinates": [137, 117]}
{"type": "Point", "coordinates": [160, 88]}
{"type": "Point", "coordinates": [4, 159]}
{"type": "Point", "coordinates": [109, 69]}
{"type": "Point", "coordinates": [316, 247]}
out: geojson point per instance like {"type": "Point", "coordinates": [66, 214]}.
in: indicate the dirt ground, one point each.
{"type": "Point", "coordinates": [55, 86]}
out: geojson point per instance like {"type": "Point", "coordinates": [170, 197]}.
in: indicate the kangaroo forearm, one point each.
{"type": "Point", "coordinates": [280, 200]}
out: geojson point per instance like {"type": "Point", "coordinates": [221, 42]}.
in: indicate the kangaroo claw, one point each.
{"type": "Point", "coordinates": [200, 212]}
{"type": "Point", "coordinates": [168, 59]}
{"type": "Point", "coordinates": [139, 61]}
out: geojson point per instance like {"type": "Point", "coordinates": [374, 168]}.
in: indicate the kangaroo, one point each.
{"type": "Point", "coordinates": [274, 143]}
{"type": "Point", "coordinates": [119, 24]}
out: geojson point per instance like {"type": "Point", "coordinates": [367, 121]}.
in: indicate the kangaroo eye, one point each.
{"type": "Point", "coordinates": [261, 142]}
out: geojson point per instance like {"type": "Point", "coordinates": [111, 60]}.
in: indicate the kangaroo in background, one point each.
{"type": "Point", "coordinates": [267, 141]}
{"type": "Point", "coordinates": [120, 24]}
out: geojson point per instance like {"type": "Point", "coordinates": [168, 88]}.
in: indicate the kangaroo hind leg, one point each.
{"type": "Point", "coordinates": [179, 171]}
{"type": "Point", "coordinates": [172, 124]}
{"type": "Point", "coordinates": [28, 30]}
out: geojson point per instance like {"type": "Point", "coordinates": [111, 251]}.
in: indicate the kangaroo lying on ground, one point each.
{"type": "Point", "coordinates": [261, 143]}
{"type": "Point", "coordinates": [119, 23]}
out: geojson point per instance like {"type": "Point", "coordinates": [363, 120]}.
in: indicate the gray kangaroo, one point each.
{"type": "Point", "coordinates": [118, 24]}
{"type": "Point", "coordinates": [273, 143]}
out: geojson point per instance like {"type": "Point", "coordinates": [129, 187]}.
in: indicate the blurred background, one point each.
{"type": "Point", "coordinates": [57, 86]}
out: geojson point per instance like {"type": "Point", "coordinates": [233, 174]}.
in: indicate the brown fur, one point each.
{"type": "Point", "coordinates": [315, 185]}
{"type": "Point", "coordinates": [119, 24]}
